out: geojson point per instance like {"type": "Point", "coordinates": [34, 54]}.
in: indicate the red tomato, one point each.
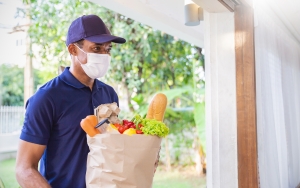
{"type": "Point", "coordinates": [139, 132]}
{"type": "Point", "coordinates": [140, 125]}
{"type": "Point", "coordinates": [125, 121]}
{"type": "Point", "coordinates": [121, 129]}
{"type": "Point", "coordinates": [126, 127]}
{"type": "Point", "coordinates": [132, 126]}
{"type": "Point", "coordinates": [130, 123]}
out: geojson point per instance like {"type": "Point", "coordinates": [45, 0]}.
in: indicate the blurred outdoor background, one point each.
{"type": "Point", "coordinates": [32, 50]}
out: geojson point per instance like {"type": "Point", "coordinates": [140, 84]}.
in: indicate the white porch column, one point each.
{"type": "Point", "coordinates": [221, 118]}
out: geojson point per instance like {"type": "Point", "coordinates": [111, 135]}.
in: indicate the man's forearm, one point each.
{"type": "Point", "coordinates": [30, 177]}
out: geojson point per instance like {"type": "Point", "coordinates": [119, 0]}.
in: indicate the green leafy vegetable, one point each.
{"type": "Point", "coordinates": [151, 126]}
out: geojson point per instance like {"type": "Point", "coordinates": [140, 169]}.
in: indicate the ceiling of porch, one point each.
{"type": "Point", "coordinates": [168, 15]}
{"type": "Point", "coordinates": [164, 15]}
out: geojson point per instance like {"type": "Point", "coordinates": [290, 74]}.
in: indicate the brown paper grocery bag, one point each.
{"type": "Point", "coordinates": [121, 161]}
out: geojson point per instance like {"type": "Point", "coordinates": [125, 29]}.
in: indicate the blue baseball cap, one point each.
{"type": "Point", "coordinates": [91, 28]}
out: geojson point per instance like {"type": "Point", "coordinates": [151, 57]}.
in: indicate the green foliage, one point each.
{"type": "Point", "coordinates": [179, 178]}
{"type": "Point", "coordinates": [11, 84]}
{"type": "Point", "coordinates": [199, 117]}
{"type": "Point", "coordinates": [150, 60]}
{"type": "Point", "coordinates": [173, 94]}
{"type": "Point", "coordinates": [198, 98]}
{"type": "Point", "coordinates": [7, 173]}
{"type": "Point", "coordinates": [177, 121]}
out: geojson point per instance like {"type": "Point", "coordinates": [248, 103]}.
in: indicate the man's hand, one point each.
{"type": "Point", "coordinates": [157, 161]}
{"type": "Point", "coordinates": [27, 173]}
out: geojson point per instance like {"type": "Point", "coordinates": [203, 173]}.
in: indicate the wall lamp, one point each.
{"type": "Point", "coordinates": [193, 13]}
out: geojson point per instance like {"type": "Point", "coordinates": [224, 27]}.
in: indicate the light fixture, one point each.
{"type": "Point", "coordinates": [193, 13]}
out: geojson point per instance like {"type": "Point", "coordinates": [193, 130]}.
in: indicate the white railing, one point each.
{"type": "Point", "coordinates": [11, 118]}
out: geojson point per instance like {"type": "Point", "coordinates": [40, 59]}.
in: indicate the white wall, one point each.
{"type": "Point", "coordinates": [221, 124]}
{"type": "Point", "coordinates": [13, 52]}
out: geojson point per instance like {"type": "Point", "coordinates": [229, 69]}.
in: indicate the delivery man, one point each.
{"type": "Point", "coordinates": [51, 132]}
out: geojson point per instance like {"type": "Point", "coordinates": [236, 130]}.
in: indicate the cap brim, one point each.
{"type": "Point", "coordinates": [105, 38]}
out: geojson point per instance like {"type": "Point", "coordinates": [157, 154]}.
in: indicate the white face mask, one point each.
{"type": "Point", "coordinates": [97, 64]}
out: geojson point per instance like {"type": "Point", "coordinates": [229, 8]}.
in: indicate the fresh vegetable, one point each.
{"type": "Point", "coordinates": [92, 119]}
{"type": "Point", "coordinates": [88, 125]}
{"type": "Point", "coordinates": [126, 126]}
{"type": "Point", "coordinates": [121, 129]}
{"type": "Point", "coordinates": [130, 131]}
{"type": "Point", "coordinates": [151, 126]}
{"type": "Point", "coordinates": [126, 122]}
{"type": "Point", "coordinates": [154, 127]}
{"type": "Point", "coordinates": [117, 125]}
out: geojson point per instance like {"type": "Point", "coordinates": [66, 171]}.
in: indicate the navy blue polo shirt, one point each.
{"type": "Point", "coordinates": [52, 118]}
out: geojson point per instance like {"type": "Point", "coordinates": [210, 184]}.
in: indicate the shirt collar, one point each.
{"type": "Point", "coordinates": [69, 79]}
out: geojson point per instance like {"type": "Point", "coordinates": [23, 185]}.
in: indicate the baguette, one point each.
{"type": "Point", "coordinates": [88, 125]}
{"type": "Point", "coordinates": [157, 107]}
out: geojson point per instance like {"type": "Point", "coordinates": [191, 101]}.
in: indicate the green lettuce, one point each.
{"type": "Point", "coordinates": [151, 126]}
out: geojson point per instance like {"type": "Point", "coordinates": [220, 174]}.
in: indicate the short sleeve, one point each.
{"type": "Point", "coordinates": [116, 98]}
{"type": "Point", "coordinates": [38, 119]}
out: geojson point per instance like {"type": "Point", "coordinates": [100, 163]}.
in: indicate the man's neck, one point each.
{"type": "Point", "coordinates": [80, 75]}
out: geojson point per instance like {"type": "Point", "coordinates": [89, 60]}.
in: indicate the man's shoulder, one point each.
{"type": "Point", "coordinates": [45, 93]}
{"type": "Point", "coordinates": [52, 84]}
{"type": "Point", "coordinates": [50, 87]}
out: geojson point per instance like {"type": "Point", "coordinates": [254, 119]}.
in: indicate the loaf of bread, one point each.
{"type": "Point", "coordinates": [157, 107]}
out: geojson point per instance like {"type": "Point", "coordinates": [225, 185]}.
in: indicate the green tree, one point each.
{"type": "Point", "coordinates": [150, 60]}
{"type": "Point", "coordinates": [12, 85]}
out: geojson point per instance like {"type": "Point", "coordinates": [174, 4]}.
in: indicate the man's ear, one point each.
{"type": "Point", "coordinates": [72, 49]}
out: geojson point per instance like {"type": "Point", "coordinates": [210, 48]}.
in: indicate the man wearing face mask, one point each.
{"type": "Point", "coordinates": [51, 132]}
